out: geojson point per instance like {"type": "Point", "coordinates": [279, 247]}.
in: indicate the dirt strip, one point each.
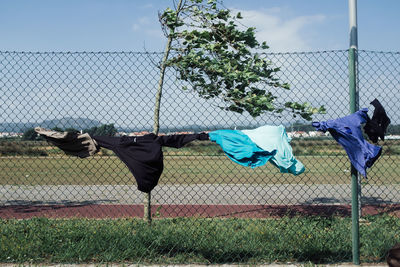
{"type": "Point", "coordinates": [202, 211]}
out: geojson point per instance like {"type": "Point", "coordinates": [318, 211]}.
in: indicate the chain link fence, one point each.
{"type": "Point", "coordinates": [85, 90]}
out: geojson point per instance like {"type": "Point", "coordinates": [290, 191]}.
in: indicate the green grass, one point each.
{"type": "Point", "coordinates": [187, 169]}
{"type": "Point", "coordinates": [194, 240]}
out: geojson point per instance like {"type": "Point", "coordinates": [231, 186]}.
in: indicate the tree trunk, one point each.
{"type": "Point", "coordinates": [156, 126]}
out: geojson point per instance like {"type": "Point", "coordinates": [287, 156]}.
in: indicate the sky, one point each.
{"type": "Point", "coordinates": [132, 25]}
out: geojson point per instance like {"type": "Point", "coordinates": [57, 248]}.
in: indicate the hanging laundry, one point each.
{"type": "Point", "coordinates": [258, 146]}
{"type": "Point", "coordinates": [376, 127]}
{"type": "Point", "coordinates": [141, 154]}
{"type": "Point", "coordinates": [347, 132]}
{"type": "Point", "coordinates": [72, 143]}
{"type": "Point", "coordinates": [240, 149]}
{"type": "Point", "coordinates": [270, 138]}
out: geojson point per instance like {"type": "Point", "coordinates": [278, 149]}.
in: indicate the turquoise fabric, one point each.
{"type": "Point", "coordinates": [270, 138]}
{"type": "Point", "coordinates": [240, 149]}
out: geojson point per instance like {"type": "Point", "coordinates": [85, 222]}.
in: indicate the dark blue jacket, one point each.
{"type": "Point", "coordinates": [347, 132]}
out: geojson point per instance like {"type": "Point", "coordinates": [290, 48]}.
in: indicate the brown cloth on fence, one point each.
{"type": "Point", "coordinates": [72, 143]}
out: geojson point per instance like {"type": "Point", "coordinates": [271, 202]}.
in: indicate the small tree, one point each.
{"type": "Point", "coordinates": [221, 60]}
{"type": "Point", "coordinates": [58, 129]}
{"type": "Point", "coordinates": [105, 129]}
{"type": "Point", "coordinates": [71, 130]}
{"type": "Point", "coordinates": [30, 135]}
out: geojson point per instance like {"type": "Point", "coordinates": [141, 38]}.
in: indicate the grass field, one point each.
{"type": "Point", "coordinates": [200, 162]}
{"type": "Point", "coordinates": [194, 240]}
{"type": "Point", "coordinates": [187, 169]}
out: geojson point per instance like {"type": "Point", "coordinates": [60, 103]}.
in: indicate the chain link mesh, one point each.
{"type": "Point", "coordinates": [83, 90]}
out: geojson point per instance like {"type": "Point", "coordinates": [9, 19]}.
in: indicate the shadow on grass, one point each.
{"type": "Point", "coordinates": [252, 256]}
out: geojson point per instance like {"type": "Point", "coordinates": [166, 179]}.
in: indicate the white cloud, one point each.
{"type": "Point", "coordinates": [157, 33]}
{"type": "Point", "coordinates": [144, 20]}
{"type": "Point", "coordinates": [147, 26]}
{"type": "Point", "coordinates": [147, 6]}
{"type": "Point", "coordinates": [135, 27]}
{"type": "Point", "coordinates": [281, 34]}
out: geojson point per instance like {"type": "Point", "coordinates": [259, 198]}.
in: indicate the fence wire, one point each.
{"type": "Point", "coordinates": [85, 90]}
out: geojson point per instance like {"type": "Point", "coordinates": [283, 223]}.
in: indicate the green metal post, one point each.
{"type": "Point", "coordinates": [355, 216]}
{"type": "Point", "coordinates": [353, 80]}
{"type": "Point", "coordinates": [354, 99]}
{"type": "Point", "coordinates": [354, 173]}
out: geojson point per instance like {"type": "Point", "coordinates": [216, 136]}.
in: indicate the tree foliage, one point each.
{"type": "Point", "coordinates": [221, 59]}
{"type": "Point", "coordinates": [70, 129]}
{"type": "Point", "coordinates": [104, 130]}
{"type": "Point", "coordinates": [58, 129]}
{"type": "Point", "coordinates": [30, 135]}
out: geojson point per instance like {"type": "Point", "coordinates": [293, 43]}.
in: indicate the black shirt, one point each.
{"type": "Point", "coordinates": [376, 127]}
{"type": "Point", "coordinates": [143, 154]}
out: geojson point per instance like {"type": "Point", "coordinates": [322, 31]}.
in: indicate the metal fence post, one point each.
{"type": "Point", "coordinates": [354, 100]}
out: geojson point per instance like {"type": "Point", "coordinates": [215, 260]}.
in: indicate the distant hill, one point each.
{"type": "Point", "coordinates": [15, 127]}
{"type": "Point", "coordinates": [76, 123]}
{"type": "Point", "coordinates": [84, 123]}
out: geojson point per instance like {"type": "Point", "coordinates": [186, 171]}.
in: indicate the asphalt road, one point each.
{"type": "Point", "coordinates": [224, 194]}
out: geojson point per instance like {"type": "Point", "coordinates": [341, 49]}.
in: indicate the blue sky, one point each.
{"type": "Point", "coordinates": [130, 25]}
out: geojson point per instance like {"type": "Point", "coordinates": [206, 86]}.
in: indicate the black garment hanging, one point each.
{"type": "Point", "coordinates": [143, 154]}
{"type": "Point", "coordinates": [376, 127]}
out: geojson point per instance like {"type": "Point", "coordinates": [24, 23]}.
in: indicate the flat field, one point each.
{"type": "Point", "coordinates": [187, 169]}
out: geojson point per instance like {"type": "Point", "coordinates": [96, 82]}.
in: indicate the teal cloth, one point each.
{"type": "Point", "coordinates": [270, 138]}
{"type": "Point", "coordinates": [240, 149]}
